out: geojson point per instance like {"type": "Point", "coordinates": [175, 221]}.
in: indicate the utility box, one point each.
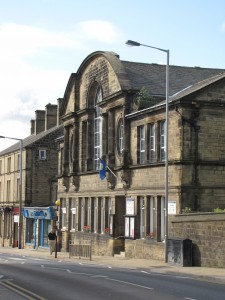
{"type": "Point", "coordinates": [180, 252]}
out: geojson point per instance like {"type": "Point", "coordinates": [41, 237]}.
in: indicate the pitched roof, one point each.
{"type": "Point", "coordinates": [153, 77]}
{"type": "Point", "coordinates": [31, 139]}
{"type": "Point", "coordinates": [197, 86]}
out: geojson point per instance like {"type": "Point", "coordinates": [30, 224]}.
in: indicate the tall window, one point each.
{"type": "Point", "coordinates": [152, 147]}
{"type": "Point", "coordinates": [97, 130]}
{"type": "Point", "coordinates": [8, 191]}
{"type": "Point", "coordinates": [61, 160]}
{"type": "Point", "coordinates": [0, 166]}
{"type": "Point", "coordinates": [73, 214]}
{"type": "Point", "coordinates": [0, 194]}
{"type": "Point", "coordinates": [162, 140]}
{"type": "Point", "coordinates": [63, 209]}
{"type": "Point", "coordinates": [120, 136]}
{"type": "Point", "coordinates": [71, 152]}
{"type": "Point", "coordinates": [142, 144]}
{"type": "Point", "coordinates": [18, 161]}
{"type": "Point", "coordinates": [142, 217]}
{"type": "Point", "coordinates": [17, 189]}
{"type": "Point", "coordinates": [9, 165]}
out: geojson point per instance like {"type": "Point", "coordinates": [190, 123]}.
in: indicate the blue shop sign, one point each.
{"type": "Point", "coordinates": [38, 213]}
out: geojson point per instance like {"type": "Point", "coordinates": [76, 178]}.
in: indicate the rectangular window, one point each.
{"type": "Point", "coordinates": [150, 214]}
{"type": "Point", "coordinates": [73, 215]}
{"type": "Point", "coordinates": [142, 144]}
{"type": "Point", "coordinates": [152, 144]}
{"type": "Point", "coordinates": [17, 189]}
{"type": "Point", "coordinates": [30, 230]}
{"type": "Point", "coordinates": [8, 191]}
{"type": "Point", "coordinates": [18, 162]}
{"type": "Point", "coordinates": [142, 217]}
{"type": "Point", "coordinates": [61, 160]}
{"type": "Point", "coordinates": [95, 215]}
{"type": "Point", "coordinates": [63, 216]}
{"type": "Point", "coordinates": [0, 194]}
{"type": "Point", "coordinates": [42, 154]}
{"type": "Point", "coordinates": [162, 140]}
{"type": "Point", "coordinates": [102, 203]}
{"type": "Point", "coordinates": [97, 141]}
{"type": "Point", "coordinates": [9, 165]}
{"type": "Point", "coordinates": [0, 166]}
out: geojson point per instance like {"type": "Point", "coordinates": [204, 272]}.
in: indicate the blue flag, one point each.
{"type": "Point", "coordinates": [102, 170]}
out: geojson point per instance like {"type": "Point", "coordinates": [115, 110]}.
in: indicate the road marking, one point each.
{"type": "Point", "coordinates": [125, 282]}
{"type": "Point", "coordinates": [99, 276]}
{"type": "Point", "coordinates": [21, 291]}
{"type": "Point", "coordinates": [189, 298]}
{"type": "Point", "coordinates": [166, 275]}
{"type": "Point", "coordinates": [1, 276]}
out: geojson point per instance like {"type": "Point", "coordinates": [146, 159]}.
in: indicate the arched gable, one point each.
{"type": "Point", "coordinates": [68, 104]}
{"type": "Point", "coordinates": [104, 69]}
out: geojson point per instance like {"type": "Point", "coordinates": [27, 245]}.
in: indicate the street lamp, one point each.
{"type": "Point", "coordinates": [132, 43]}
{"type": "Point", "coordinates": [20, 190]}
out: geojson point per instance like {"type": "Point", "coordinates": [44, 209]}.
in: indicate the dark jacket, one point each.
{"type": "Point", "coordinates": [51, 236]}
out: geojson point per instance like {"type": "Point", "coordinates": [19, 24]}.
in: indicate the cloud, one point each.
{"type": "Point", "coordinates": [102, 31]}
{"type": "Point", "coordinates": [30, 73]}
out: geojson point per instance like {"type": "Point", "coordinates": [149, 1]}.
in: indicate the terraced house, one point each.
{"type": "Point", "coordinates": [114, 110]}
{"type": "Point", "coordinates": [39, 186]}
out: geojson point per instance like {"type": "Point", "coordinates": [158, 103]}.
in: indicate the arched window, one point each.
{"type": "Point", "coordinates": [97, 129]}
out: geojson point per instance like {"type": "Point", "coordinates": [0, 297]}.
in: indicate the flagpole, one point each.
{"type": "Point", "coordinates": [111, 171]}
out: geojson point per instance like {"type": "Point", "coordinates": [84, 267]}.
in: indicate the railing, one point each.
{"type": "Point", "coordinates": [83, 249]}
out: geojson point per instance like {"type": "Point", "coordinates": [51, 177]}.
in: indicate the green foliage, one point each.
{"type": "Point", "coordinates": [186, 210]}
{"type": "Point", "coordinates": [218, 210]}
{"type": "Point", "coordinates": [144, 99]}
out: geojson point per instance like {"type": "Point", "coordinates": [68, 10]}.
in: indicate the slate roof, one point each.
{"type": "Point", "coordinates": [153, 77]}
{"type": "Point", "coordinates": [31, 139]}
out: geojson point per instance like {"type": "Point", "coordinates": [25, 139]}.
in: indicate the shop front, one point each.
{"type": "Point", "coordinates": [38, 225]}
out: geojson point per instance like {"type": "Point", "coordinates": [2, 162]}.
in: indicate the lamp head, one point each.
{"type": "Point", "coordinates": [132, 43]}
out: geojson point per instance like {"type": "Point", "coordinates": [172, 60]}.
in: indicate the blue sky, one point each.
{"type": "Point", "coordinates": [44, 41]}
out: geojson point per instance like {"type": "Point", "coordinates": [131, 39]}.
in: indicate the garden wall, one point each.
{"type": "Point", "coordinates": [207, 232]}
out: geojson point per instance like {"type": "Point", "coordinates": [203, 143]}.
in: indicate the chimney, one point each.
{"type": "Point", "coordinates": [32, 126]}
{"type": "Point", "coordinates": [50, 116]}
{"type": "Point", "coordinates": [39, 121]}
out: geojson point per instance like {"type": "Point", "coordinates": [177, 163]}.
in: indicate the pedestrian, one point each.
{"type": "Point", "coordinates": [51, 240]}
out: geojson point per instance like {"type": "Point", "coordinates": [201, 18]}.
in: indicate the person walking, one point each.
{"type": "Point", "coordinates": [51, 240]}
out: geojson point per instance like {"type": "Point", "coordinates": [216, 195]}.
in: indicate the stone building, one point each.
{"type": "Point", "coordinates": [114, 110]}
{"type": "Point", "coordinates": [39, 185]}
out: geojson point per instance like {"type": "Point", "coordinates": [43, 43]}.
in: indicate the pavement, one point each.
{"type": "Point", "coordinates": [216, 275]}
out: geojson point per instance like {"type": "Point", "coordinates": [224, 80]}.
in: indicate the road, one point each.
{"type": "Point", "coordinates": [24, 277]}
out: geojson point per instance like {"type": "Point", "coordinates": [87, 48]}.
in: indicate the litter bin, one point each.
{"type": "Point", "coordinates": [180, 252]}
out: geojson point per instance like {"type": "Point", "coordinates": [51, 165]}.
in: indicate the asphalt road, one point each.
{"type": "Point", "coordinates": [32, 278]}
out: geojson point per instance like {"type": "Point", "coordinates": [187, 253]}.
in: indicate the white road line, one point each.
{"type": "Point", "coordinates": [189, 298]}
{"type": "Point", "coordinates": [125, 282]}
{"type": "Point", "coordinates": [166, 275]}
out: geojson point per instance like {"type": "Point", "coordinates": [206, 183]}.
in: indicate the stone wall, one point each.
{"type": "Point", "coordinates": [207, 232]}
{"type": "Point", "coordinates": [102, 244]}
{"type": "Point", "coordinates": [144, 248]}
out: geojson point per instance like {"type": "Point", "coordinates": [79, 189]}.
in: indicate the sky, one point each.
{"type": "Point", "coordinates": [44, 41]}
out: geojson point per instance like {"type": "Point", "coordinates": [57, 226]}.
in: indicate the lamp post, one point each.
{"type": "Point", "coordinates": [20, 190]}
{"type": "Point", "coordinates": [132, 43]}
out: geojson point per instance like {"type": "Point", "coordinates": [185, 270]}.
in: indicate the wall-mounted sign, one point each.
{"type": "Point", "coordinates": [171, 207]}
{"type": "Point", "coordinates": [38, 213]}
